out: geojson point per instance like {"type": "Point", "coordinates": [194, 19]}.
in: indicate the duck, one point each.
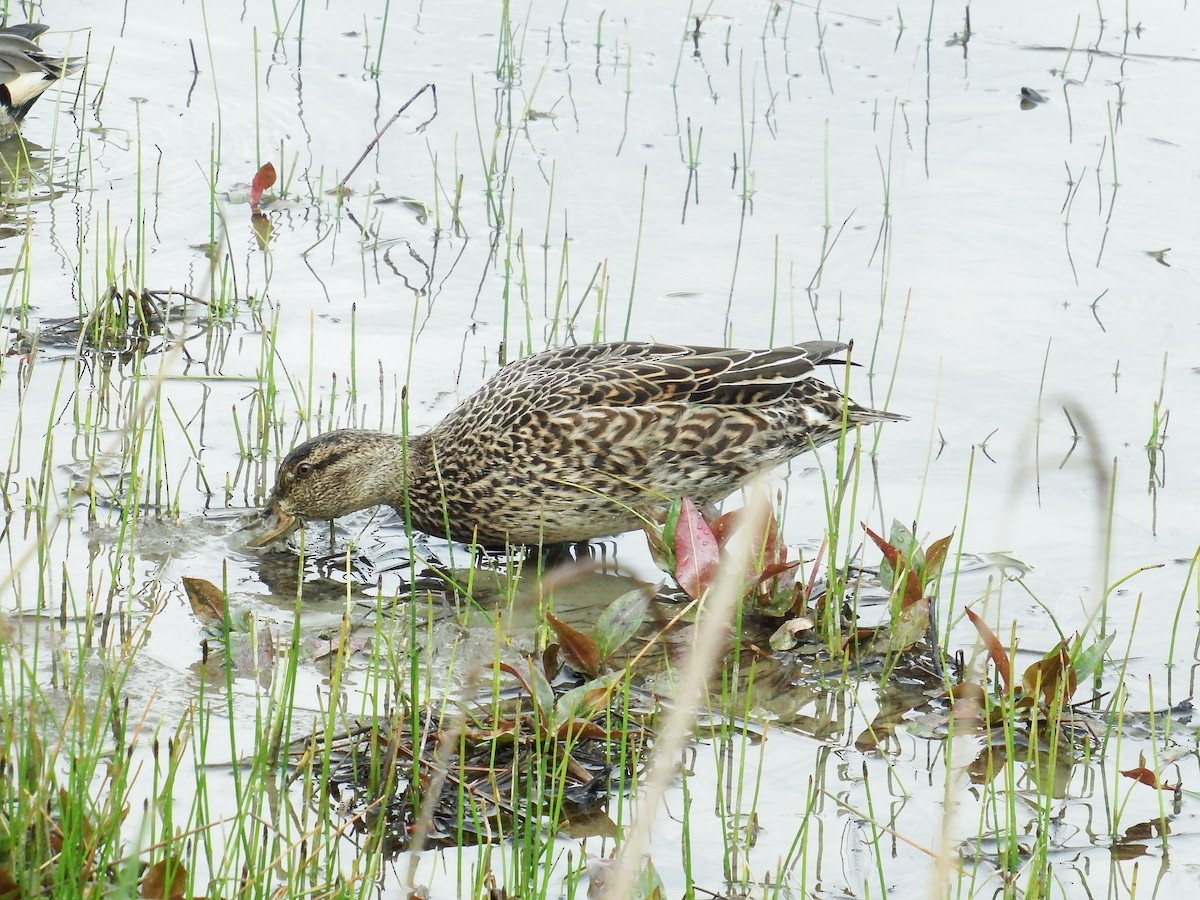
{"type": "Point", "coordinates": [26, 72]}
{"type": "Point", "coordinates": [577, 443]}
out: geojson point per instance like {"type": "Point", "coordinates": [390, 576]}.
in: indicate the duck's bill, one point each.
{"type": "Point", "coordinates": [277, 524]}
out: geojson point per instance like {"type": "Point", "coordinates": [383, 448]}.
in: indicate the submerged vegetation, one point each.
{"type": "Point", "coordinates": [847, 688]}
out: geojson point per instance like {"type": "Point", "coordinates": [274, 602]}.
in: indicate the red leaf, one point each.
{"type": "Point", "coordinates": [1142, 774]}
{"type": "Point", "coordinates": [774, 570]}
{"type": "Point", "coordinates": [263, 179]}
{"type": "Point", "coordinates": [577, 729]}
{"type": "Point", "coordinates": [696, 551]}
{"type": "Point", "coordinates": [725, 524]}
{"type": "Point", "coordinates": [899, 562]}
{"type": "Point", "coordinates": [994, 648]}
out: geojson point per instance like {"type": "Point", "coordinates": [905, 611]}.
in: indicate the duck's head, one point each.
{"type": "Point", "coordinates": [332, 475]}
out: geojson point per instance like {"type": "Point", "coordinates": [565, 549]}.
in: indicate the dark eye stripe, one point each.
{"type": "Point", "coordinates": [325, 462]}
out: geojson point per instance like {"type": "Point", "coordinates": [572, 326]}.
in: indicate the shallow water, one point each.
{"type": "Point", "coordinates": [860, 175]}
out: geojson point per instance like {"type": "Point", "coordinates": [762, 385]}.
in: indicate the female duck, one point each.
{"type": "Point", "coordinates": [578, 442]}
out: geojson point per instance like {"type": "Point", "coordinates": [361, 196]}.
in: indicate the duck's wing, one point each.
{"type": "Point", "coordinates": [637, 374]}
{"type": "Point", "coordinates": [19, 55]}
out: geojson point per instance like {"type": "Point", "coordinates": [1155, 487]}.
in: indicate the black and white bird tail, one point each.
{"type": "Point", "coordinates": [25, 72]}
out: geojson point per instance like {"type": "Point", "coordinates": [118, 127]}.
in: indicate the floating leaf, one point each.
{"type": "Point", "coordinates": [420, 207]}
{"type": "Point", "coordinates": [968, 691]}
{"type": "Point", "coordinates": [787, 635]}
{"type": "Point", "coordinates": [1160, 256]}
{"type": "Point", "coordinates": [323, 647]}
{"type": "Point", "coordinates": [1031, 98]}
{"type": "Point", "coordinates": [969, 702]}
{"type": "Point", "coordinates": [1148, 777]}
{"type": "Point", "coordinates": [536, 686]}
{"type": "Point", "coordinates": [579, 729]}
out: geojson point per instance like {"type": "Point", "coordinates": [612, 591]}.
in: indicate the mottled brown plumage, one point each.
{"type": "Point", "coordinates": [577, 443]}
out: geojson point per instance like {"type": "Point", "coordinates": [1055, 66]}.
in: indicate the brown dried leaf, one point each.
{"type": "Point", "coordinates": [968, 691]}
{"type": "Point", "coordinates": [775, 569]}
{"type": "Point", "coordinates": [1142, 774]}
{"type": "Point", "coordinates": [577, 729]}
{"type": "Point", "coordinates": [322, 647]}
{"type": "Point", "coordinates": [935, 558]}
{"type": "Point", "coordinates": [968, 703]}
{"type": "Point", "coordinates": [863, 642]}
{"type": "Point", "coordinates": [551, 659]}
{"type": "Point", "coordinates": [9, 889]}
{"type": "Point", "coordinates": [154, 883]}
{"type": "Point", "coordinates": [207, 600]}
{"type": "Point", "coordinates": [1148, 776]}
{"type": "Point", "coordinates": [579, 650]}
{"type": "Point", "coordinates": [1052, 677]}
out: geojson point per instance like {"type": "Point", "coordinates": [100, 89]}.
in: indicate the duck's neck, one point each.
{"type": "Point", "coordinates": [411, 474]}
{"type": "Point", "coordinates": [382, 464]}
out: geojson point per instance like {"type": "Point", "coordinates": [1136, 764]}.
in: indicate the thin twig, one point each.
{"type": "Point", "coordinates": [432, 88]}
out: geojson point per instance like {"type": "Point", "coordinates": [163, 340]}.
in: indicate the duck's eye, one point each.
{"type": "Point", "coordinates": [304, 469]}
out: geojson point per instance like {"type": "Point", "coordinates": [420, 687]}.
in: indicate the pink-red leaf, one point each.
{"type": "Point", "coordinates": [899, 562]}
{"type": "Point", "coordinates": [774, 570]}
{"type": "Point", "coordinates": [263, 179]}
{"type": "Point", "coordinates": [696, 551]}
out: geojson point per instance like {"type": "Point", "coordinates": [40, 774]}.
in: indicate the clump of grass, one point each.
{"type": "Point", "coordinates": [529, 764]}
